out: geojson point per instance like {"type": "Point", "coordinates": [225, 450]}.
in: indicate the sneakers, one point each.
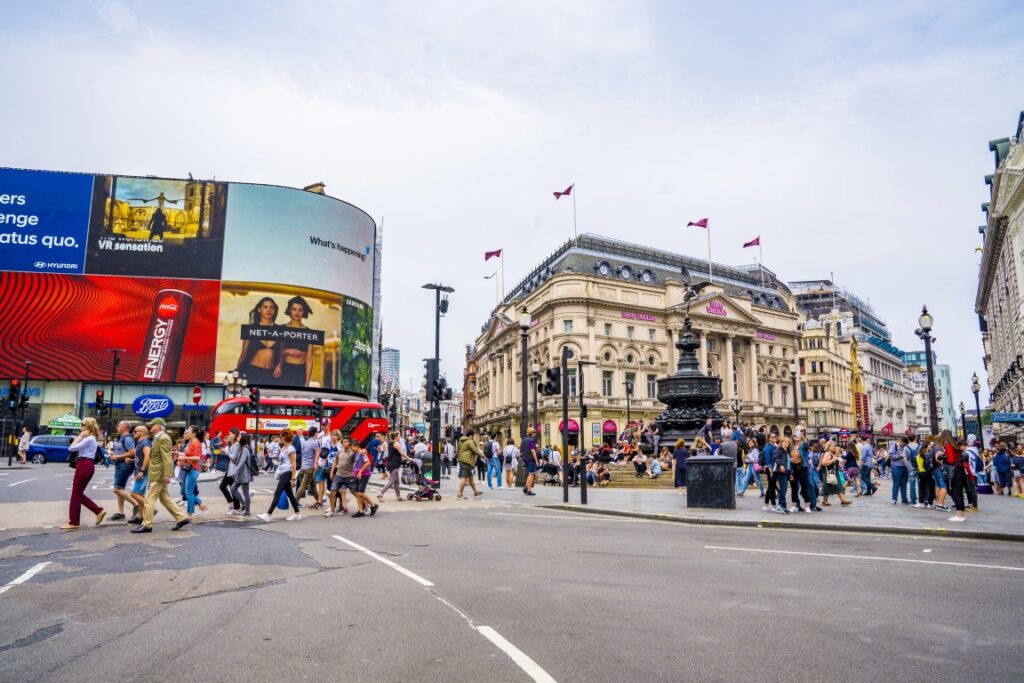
{"type": "Point", "coordinates": [359, 514]}
{"type": "Point", "coordinates": [794, 509]}
{"type": "Point", "coordinates": [919, 505]}
{"type": "Point", "coordinates": [142, 530]}
{"type": "Point", "coordinates": [766, 508]}
{"type": "Point", "coordinates": [944, 508]}
{"type": "Point", "coordinates": [957, 519]}
{"type": "Point", "coordinates": [231, 512]}
{"type": "Point", "coordinates": [116, 517]}
{"type": "Point", "coordinates": [293, 518]}
{"type": "Point", "coordinates": [373, 510]}
{"type": "Point", "coordinates": [183, 523]}
{"type": "Point", "coordinates": [817, 509]}
{"type": "Point", "coordinates": [135, 520]}
{"type": "Point", "coordinates": [329, 513]}
{"type": "Point", "coordinates": [781, 511]}
{"type": "Point", "coordinates": [478, 493]}
{"type": "Point", "coordinates": [808, 510]}
{"type": "Point", "coordinates": [264, 516]}
{"type": "Point", "coordinates": [464, 498]}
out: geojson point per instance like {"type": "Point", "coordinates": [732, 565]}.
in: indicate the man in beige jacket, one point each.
{"type": "Point", "coordinates": [161, 470]}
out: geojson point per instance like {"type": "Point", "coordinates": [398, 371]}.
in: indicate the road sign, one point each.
{"type": "Point", "coordinates": [197, 395]}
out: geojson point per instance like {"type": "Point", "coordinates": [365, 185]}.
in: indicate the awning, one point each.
{"type": "Point", "coordinates": [574, 426]}
{"type": "Point", "coordinates": [609, 427]}
{"type": "Point", "coordinates": [66, 421]}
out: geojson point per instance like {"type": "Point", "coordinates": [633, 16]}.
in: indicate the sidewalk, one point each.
{"type": "Point", "coordinates": [1001, 517]}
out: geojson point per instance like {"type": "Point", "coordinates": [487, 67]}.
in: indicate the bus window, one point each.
{"type": "Point", "coordinates": [230, 408]}
{"type": "Point", "coordinates": [276, 410]}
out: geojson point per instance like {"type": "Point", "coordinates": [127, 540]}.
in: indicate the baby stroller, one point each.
{"type": "Point", "coordinates": [550, 472]}
{"type": "Point", "coordinates": [426, 490]}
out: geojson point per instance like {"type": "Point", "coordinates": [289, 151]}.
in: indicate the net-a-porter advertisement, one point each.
{"type": "Point", "coordinates": [193, 278]}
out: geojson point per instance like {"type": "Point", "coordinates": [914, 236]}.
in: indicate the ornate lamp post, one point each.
{"type": "Point", "coordinates": [975, 389]}
{"type": "Point", "coordinates": [963, 418]}
{"type": "Point", "coordinates": [524, 404]}
{"type": "Point", "coordinates": [535, 377]}
{"type": "Point", "coordinates": [924, 331]}
{"type": "Point", "coordinates": [736, 408]}
{"type": "Point", "coordinates": [793, 367]}
{"type": "Point", "coordinates": [234, 383]}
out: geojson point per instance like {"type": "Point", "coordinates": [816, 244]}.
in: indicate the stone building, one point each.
{"type": "Point", "coordinates": [1001, 282]}
{"type": "Point", "coordinates": [617, 307]}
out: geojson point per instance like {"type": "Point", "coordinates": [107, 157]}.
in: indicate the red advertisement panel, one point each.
{"type": "Point", "coordinates": [67, 325]}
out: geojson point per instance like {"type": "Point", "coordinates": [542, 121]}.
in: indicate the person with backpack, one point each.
{"type": "Point", "coordinates": [957, 457]}
{"type": "Point", "coordinates": [393, 464]}
{"type": "Point", "coordinates": [228, 480]}
{"type": "Point", "coordinates": [973, 464]}
{"type": "Point", "coordinates": [925, 480]}
{"type": "Point", "coordinates": [469, 455]}
{"type": "Point", "coordinates": [780, 471]}
{"type": "Point", "coordinates": [493, 453]}
{"type": "Point", "coordinates": [242, 468]}
{"type": "Point", "coordinates": [1002, 468]}
{"type": "Point", "coordinates": [867, 463]}
{"type": "Point", "coordinates": [122, 453]}
{"type": "Point", "coordinates": [753, 469]}
{"type": "Point", "coordinates": [766, 461]}
{"type": "Point", "coordinates": [913, 447]}
{"type": "Point", "coordinates": [510, 459]}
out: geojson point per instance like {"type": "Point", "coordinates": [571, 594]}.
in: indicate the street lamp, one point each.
{"type": "Point", "coordinates": [963, 418]}
{"type": "Point", "coordinates": [793, 367]}
{"type": "Point", "coordinates": [234, 383]}
{"type": "Point", "coordinates": [535, 377]}
{"type": "Point", "coordinates": [524, 406]}
{"type": "Point", "coordinates": [440, 308]}
{"type": "Point", "coordinates": [924, 332]}
{"type": "Point", "coordinates": [736, 406]}
{"type": "Point", "coordinates": [975, 388]}
{"type": "Point", "coordinates": [629, 394]}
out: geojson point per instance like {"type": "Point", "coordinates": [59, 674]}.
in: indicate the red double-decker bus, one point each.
{"type": "Point", "coordinates": [357, 420]}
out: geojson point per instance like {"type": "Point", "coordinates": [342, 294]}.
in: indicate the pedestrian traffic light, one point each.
{"type": "Point", "coordinates": [318, 410]}
{"type": "Point", "coordinates": [254, 398]}
{"type": "Point", "coordinates": [13, 395]}
{"type": "Point", "coordinates": [553, 385]}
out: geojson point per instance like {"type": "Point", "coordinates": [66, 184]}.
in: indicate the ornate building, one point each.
{"type": "Point", "coordinates": [1001, 281]}
{"type": "Point", "coordinates": [825, 394]}
{"type": "Point", "coordinates": [618, 308]}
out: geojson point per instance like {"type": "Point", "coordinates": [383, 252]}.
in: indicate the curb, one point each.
{"type": "Point", "coordinates": [778, 524]}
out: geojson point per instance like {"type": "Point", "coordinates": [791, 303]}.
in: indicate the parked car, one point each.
{"type": "Point", "coordinates": [49, 448]}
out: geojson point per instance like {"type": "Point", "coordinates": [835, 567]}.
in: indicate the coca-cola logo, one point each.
{"type": "Point", "coordinates": [153, 405]}
{"type": "Point", "coordinates": [168, 307]}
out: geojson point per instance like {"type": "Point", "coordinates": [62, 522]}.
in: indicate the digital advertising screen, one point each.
{"type": "Point", "coordinates": [192, 278]}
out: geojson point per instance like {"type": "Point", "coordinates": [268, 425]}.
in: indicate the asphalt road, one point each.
{"type": "Point", "coordinates": [515, 592]}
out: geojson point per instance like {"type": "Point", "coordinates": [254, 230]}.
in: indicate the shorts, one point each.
{"type": "Point", "coordinates": [121, 475]}
{"type": "Point", "coordinates": [339, 482]}
{"type": "Point", "coordinates": [465, 471]}
{"type": "Point", "coordinates": [361, 483]}
{"type": "Point", "coordinates": [531, 467]}
{"type": "Point", "coordinates": [322, 474]}
{"type": "Point", "coordinates": [940, 481]}
{"type": "Point", "coordinates": [508, 466]}
{"type": "Point", "coordinates": [852, 473]}
{"type": "Point", "coordinates": [141, 486]}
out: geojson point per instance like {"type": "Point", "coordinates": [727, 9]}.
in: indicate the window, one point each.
{"type": "Point", "coordinates": [652, 386]}
{"type": "Point", "coordinates": [606, 383]}
{"type": "Point", "coordinates": [711, 344]}
{"type": "Point", "coordinates": [651, 360]}
{"type": "Point", "coordinates": [803, 391]}
{"type": "Point", "coordinates": [629, 331]}
{"type": "Point", "coordinates": [607, 357]}
{"type": "Point", "coordinates": [771, 394]}
{"type": "Point", "coordinates": [629, 358]}
{"type": "Point", "coordinates": [652, 334]}
{"type": "Point", "coordinates": [607, 329]}
{"type": "Point", "coordinates": [735, 381]}
{"type": "Point", "coordinates": [568, 326]}
{"type": "Point", "coordinates": [569, 352]}
{"type": "Point", "coordinates": [785, 396]}
{"type": "Point", "coordinates": [571, 377]}
{"type": "Point", "coordinates": [631, 383]}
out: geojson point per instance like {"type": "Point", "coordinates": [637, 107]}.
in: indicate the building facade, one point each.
{"type": "Point", "coordinates": [825, 394]}
{"type": "Point", "coordinates": [390, 368]}
{"type": "Point", "coordinates": [469, 386]}
{"type": "Point", "coordinates": [1001, 281]}
{"type": "Point", "coordinates": [617, 308]}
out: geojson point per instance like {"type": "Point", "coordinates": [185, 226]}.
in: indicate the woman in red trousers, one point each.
{"type": "Point", "coordinates": [86, 445]}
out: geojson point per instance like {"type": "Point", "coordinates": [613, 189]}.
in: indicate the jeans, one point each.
{"type": "Point", "coordinates": [191, 480]}
{"type": "Point", "coordinates": [865, 481]}
{"type": "Point", "coordinates": [493, 466]}
{"type": "Point", "coordinates": [899, 483]}
{"type": "Point", "coordinates": [782, 480]}
{"type": "Point", "coordinates": [815, 480]}
{"type": "Point", "coordinates": [242, 501]}
{"type": "Point", "coordinates": [747, 476]}
{"type": "Point", "coordinates": [769, 494]}
{"type": "Point", "coordinates": [802, 483]}
{"type": "Point", "coordinates": [912, 483]}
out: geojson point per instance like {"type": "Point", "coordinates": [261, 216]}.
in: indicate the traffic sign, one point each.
{"type": "Point", "coordinates": [197, 395]}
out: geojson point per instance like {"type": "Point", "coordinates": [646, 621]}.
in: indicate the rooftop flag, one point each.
{"type": "Point", "coordinates": [489, 254]}
{"type": "Point", "coordinates": [756, 242]}
{"type": "Point", "coordinates": [564, 193]}
{"type": "Point", "coordinates": [702, 223]}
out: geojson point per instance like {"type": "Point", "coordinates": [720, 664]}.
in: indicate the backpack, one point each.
{"type": "Point", "coordinates": [930, 460]}
{"type": "Point", "coordinates": [252, 464]}
{"type": "Point", "coordinates": [508, 458]}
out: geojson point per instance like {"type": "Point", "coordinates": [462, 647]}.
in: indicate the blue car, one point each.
{"type": "Point", "coordinates": [49, 448]}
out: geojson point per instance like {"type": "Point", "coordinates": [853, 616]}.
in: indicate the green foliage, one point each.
{"type": "Point", "coordinates": [356, 346]}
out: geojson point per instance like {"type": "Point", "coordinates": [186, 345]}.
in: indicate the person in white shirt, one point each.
{"type": "Point", "coordinates": [26, 437]}
{"type": "Point", "coordinates": [509, 462]}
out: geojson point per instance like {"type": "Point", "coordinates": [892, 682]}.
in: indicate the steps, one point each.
{"type": "Point", "coordinates": [624, 476]}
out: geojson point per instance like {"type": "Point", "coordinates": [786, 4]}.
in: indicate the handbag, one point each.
{"type": "Point", "coordinates": [72, 459]}
{"type": "Point", "coordinates": [757, 468]}
{"type": "Point", "coordinates": [831, 479]}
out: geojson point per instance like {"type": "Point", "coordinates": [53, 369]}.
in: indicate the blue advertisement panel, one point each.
{"type": "Point", "coordinates": [44, 221]}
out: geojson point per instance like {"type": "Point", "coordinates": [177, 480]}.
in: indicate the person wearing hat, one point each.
{"type": "Point", "coordinates": [161, 470]}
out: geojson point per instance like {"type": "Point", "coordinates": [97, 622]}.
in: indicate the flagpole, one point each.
{"type": "Point", "coordinates": [502, 257]}
{"type": "Point", "coordinates": [760, 250]}
{"type": "Point", "coordinates": [575, 235]}
{"type": "Point", "coordinates": [711, 275]}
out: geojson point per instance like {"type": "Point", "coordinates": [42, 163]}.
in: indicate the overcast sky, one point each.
{"type": "Point", "coordinates": [851, 136]}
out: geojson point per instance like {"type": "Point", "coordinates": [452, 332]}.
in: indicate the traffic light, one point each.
{"type": "Point", "coordinates": [432, 376]}
{"type": "Point", "coordinates": [318, 410]}
{"type": "Point", "coordinates": [440, 390]}
{"type": "Point", "coordinates": [254, 398]}
{"type": "Point", "coordinates": [553, 385]}
{"type": "Point", "coordinates": [101, 407]}
{"type": "Point", "coordinates": [13, 395]}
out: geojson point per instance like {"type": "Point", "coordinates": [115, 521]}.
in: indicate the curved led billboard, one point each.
{"type": "Point", "coordinates": [191, 278]}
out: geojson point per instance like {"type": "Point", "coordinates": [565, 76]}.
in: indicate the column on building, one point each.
{"type": "Point", "coordinates": [755, 396]}
{"type": "Point", "coordinates": [702, 352]}
{"type": "Point", "coordinates": [514, 354]}
{"type": "Point", "coordinates": [727, 371]}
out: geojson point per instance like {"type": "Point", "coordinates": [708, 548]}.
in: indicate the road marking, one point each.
{"type": "Point", "coordinates": [25, 577]}
{"type": "Point", "coordinates": [577, 516]}
{"type": "Point", "coordinates": [383, 560]}
{"type": "Point", "coordinates": [23, 481]}
{"type": "Point", "coordinates": [521, 659]}
{"type": "Point", "coordinates": [865, 557]}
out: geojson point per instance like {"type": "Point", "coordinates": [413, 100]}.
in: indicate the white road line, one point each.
{"type": "Point", "coordinates": [582, 517]}
{"type": "Point", "coordinates": [25, 577]}
{"type": "Point", "coordinates": [398, 568]}
{"type": "Point", "coordinates": [23, 481]}
{"type": "Point", "coordinates": [521, 659]}
{"type": "Point", "coordinates": [866, 557]}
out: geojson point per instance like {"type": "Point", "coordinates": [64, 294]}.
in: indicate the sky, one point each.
{"type": "Point", "coordinates": [852, 137]}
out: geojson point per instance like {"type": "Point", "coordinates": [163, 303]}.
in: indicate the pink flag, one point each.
{"type": "Point", "coordinates": [489, 254]}
{"type": "Point", "coordinates": [565, 193]}
{"type": "Point", "coordinates": [702, 223]}
{"type": "Point", "coordinates": [756, 242]}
